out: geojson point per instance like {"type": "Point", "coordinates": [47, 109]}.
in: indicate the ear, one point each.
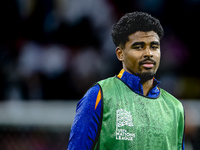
{"type": "Point", "coordinates": [119, 53]}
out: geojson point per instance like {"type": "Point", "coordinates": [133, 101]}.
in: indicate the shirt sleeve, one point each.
{"type": "Point", "coordinates": [87, 121]}
{"type": "Point", "coordinates": [183, 144]}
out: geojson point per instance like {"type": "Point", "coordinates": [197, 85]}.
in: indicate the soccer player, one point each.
{"type": "Point", "coordinates": [130, 111]}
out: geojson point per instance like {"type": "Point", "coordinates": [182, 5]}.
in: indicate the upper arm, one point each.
{"type": "Point", "coordinates": [87, 121]}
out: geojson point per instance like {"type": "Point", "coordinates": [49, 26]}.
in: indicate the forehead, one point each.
{"type": "Point", "coordinates": [141, 36]}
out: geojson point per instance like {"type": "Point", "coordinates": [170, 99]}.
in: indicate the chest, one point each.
{"type": "Point", "coordinates": [139, 122]}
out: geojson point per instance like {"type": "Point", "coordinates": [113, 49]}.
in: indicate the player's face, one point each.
{"type": "Point", "coordinates": [141, 54]}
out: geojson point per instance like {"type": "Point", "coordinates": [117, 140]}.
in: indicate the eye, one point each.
{"type": "Point", "coordinates": [138, 47]}
{"type": "Point", "coordinates": [155, 47]}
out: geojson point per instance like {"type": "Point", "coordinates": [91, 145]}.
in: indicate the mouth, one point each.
{"type": "Point", "coordinates": [148, 63]}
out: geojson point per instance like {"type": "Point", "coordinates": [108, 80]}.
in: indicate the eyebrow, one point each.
{"type": "Point", "coordinates": [143, 43]}
{"type": "Point", "coordinates": [154, 43]}
{"type": "Point", "coordinates": [137, 43]}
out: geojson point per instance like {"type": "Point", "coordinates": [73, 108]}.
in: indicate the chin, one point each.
{"type": "Point", "coordinates": [148, 75]}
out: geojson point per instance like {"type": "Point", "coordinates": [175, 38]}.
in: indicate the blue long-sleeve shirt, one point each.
{"type": "Point", "coordinates": [87, 122]}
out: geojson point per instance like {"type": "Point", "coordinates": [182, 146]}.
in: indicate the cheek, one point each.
{"type": "Point", "coordinates": [130, 60]}
{"type": "Point", "coordinates": [157, 54]}
{"type": "Point", "coordinates": [133, 58]}
{"type": "Point", "coordinates": [157, 57]}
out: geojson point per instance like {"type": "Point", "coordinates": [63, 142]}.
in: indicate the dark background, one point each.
{"type": "Point", "coordinates": [52, 51]}
{"type": "Point", "coordinates": [56, 49]}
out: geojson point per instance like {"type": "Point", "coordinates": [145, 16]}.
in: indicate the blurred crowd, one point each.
{"type": "Point", "coordinates": [32, 138]}
{"type": "Point", "coordinates": [57, 49]}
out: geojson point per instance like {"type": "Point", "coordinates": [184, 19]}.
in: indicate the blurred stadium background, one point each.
{"type": "Point", "coordinates": [52, 51]}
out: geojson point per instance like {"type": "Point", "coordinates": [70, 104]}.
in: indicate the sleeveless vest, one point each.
{"type": "Point", "coordinates": [135, 122]}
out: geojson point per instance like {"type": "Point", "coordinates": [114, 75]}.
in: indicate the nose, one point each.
{"type": "Point", "coordinates": [148, 53]}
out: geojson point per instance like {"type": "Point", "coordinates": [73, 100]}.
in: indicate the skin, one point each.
{"type": "Point", "coordinates": [140, 47]}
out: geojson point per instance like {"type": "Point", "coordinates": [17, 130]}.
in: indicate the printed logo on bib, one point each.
{"type": "Point", "coordinates": [123, 118]}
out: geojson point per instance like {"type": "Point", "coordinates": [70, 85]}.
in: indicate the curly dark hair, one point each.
{"type": "Point", "coordinates": [133, 22]}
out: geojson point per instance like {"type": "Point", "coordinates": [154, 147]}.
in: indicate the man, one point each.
{"type": "Point", "coordinates": [129, 111]}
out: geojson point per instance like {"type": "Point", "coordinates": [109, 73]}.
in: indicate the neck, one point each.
{"type": "Point", "coordinates": [147, 85]}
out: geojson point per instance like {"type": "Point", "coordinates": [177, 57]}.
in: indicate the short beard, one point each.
{"type": "Point", "coordinates": [145, 76]}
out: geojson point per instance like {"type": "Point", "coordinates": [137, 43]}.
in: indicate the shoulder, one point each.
{"type": "Point", "coordinates": [89, 99]}
{"type": "Point", "coordinates": [171, 99]}
{"type": "Point", "coordinates": [109, 82]}
{"type": "Point", "coordinates": [106, 81]}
